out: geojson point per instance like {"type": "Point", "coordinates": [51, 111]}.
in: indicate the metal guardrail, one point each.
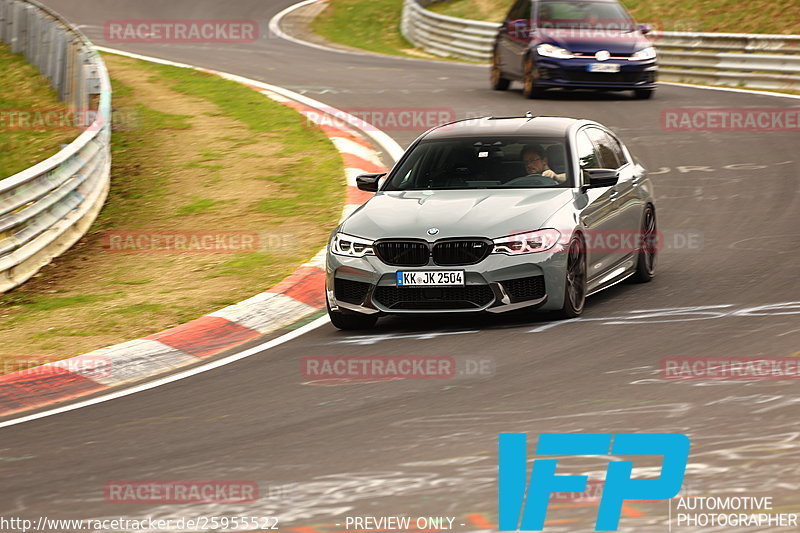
{"type": "Point", "coordinates": [732, 59]}
{"type": "Point", "coordinates": [447, 36]}
{"type": "Point", "coordinates": [748, 60]}
{"type": "Point", "coordinates": [46, 208]}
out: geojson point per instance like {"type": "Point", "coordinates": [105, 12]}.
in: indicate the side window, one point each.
{"type": "Point", "coordinates": [410, 174]}
{"type": "Point", "coordinates": [608, 159]}
{"type": "Point", "coordinates": [405, 181]}
{"type": "Point", "coordinates": [587, 155]}
{"type": "Point", "coordinates": [526, 10]}
{"type": "Point", "coordinates": [616, 147]}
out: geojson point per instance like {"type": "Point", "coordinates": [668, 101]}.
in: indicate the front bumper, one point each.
{"type": "Point", "coordinates": [572, 73]}
{"type": "Point", "coordinates": [497, 284]}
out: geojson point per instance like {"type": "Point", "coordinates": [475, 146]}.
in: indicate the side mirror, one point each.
{"type": "Point", "coordinates": [369, 182]}
{"type": "Point", "coordinates": [644, 28]}
{"type": "Point", "coordinates": [601, 177]}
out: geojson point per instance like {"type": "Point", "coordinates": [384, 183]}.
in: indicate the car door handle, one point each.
{"type": "Point", "coordinates": [613, 197]}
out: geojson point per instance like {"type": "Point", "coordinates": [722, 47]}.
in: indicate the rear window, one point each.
{"type": "Point", "coordinates": [483, 163]}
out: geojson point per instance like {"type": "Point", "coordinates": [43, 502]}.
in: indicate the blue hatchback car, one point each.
{"type": "Point", "coordinates": [573, 44]}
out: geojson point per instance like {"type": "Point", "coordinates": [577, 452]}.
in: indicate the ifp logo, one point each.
{"type": "Point", "coordinates": [524, 507]}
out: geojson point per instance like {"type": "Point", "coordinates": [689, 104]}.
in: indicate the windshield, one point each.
{"type": "Point", "coordinates": [483, 163]}
{"type": "Point", "coordinates": [589, 15]}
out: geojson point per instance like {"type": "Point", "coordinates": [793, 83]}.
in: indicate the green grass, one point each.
{"type": "Point", "coordinates": [372, 25]}
{"type": "Point", "coordinates": [63, 332]}
{"type": "Point", "coordinates": [41, 303]}
{"type": "Point", "coordinates": [311, 197]}
{"type": "Point", "coordinates": [23, 89]}
{"type": "Point", "coordinates": [243, 264]}
{"type": "Point", "coordinates": [138, 309]}
{"type": "Point", "coordinates": [87, 299]}
{"type": "Point", "coordinates": [131, 282]}
{"type": "Point", "coordinates": [202, 166]}
{"type": "Point", "coordinates": [734, 16]}
{"type": "Point", "coordinates": [491, 10]}
{"type": "Point", "coordinates": [136, 185]}
{"type": "Point", "coordinates": [199, 205]}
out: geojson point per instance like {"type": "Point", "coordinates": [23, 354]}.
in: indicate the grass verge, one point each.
{"type": "Point", "coordinates": [730, 16]}
{"type": "Point", "coordinates": [193, 154]}
{"type": "Point", "coordinates": [26, 100]}
{"type": "Point", "coordinates": [372, 25]}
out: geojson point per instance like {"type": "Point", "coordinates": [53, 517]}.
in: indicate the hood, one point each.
{"type": "Point", "coordinates": [589, 41]}
{"type": "Point", "coordinates": [488, 213]}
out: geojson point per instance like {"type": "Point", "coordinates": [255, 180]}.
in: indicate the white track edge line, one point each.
{"type": "Point", "coordinates": [172, 378]}
{"type": "Point", "coordinates": [385, 141]}
{"type": "Point", "coordinates": [729, 89]}
{"type": "Point", "coordinates": [274, 27]}
{"type": "Point", "coordinates": [380, 137]}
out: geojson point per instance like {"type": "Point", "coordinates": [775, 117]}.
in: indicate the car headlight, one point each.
{"type": "Point", "coordinates": [350, 246]}
{"type": "Point", "coordinates": [550, 50]}
{"type": "Point", "coordinates": [527, 243]}
{"type": "Point", "coordinates": [643, 54]}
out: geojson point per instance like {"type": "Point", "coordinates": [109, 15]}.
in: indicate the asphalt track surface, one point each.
{"type": "Point", "coordinates": [428, 447]}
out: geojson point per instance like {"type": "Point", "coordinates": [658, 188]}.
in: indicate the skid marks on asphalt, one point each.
{"type": "Point", "coordinates": [684, 314]}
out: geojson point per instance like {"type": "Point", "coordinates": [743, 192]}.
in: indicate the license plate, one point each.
{"type": "Point", "coordinates": [602, 67]}
{"type": "Point", "coordinates": [431, 278]}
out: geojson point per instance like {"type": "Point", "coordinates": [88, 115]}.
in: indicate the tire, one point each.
{"type": "Point", "coordinates": [575, 280]}
{"type": "Point", "coordinates": [498, 82]}
{"type": "Point", "coordinates": [350, 320]}
{"type": "Point", "coordinates": [643, 94]}
{"type": "Point", "coordinates": [529, 87]}
{"type": "Point", "coordinates": [648, 252]}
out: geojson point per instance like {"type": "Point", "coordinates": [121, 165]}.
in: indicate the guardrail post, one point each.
{"type": "Point", "coordinates": [17, 33]}
{"type": "Point", "coordinates": [45, 209]}
{"type": "Point", "coordinates": [3, 20]}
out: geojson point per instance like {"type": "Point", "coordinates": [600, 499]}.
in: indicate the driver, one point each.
{"type": "Point", "coordinates": [535, 161]}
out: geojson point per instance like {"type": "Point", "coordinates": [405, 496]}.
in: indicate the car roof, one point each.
{"type": "Point", "coordinates": [502, 126]}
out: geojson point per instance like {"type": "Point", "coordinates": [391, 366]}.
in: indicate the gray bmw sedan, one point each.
{"type": "Point", "coordinates": [491, 215]}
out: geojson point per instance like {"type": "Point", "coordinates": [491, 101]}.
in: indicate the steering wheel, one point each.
{"type": "Point", "coordinates": [532, 179]}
